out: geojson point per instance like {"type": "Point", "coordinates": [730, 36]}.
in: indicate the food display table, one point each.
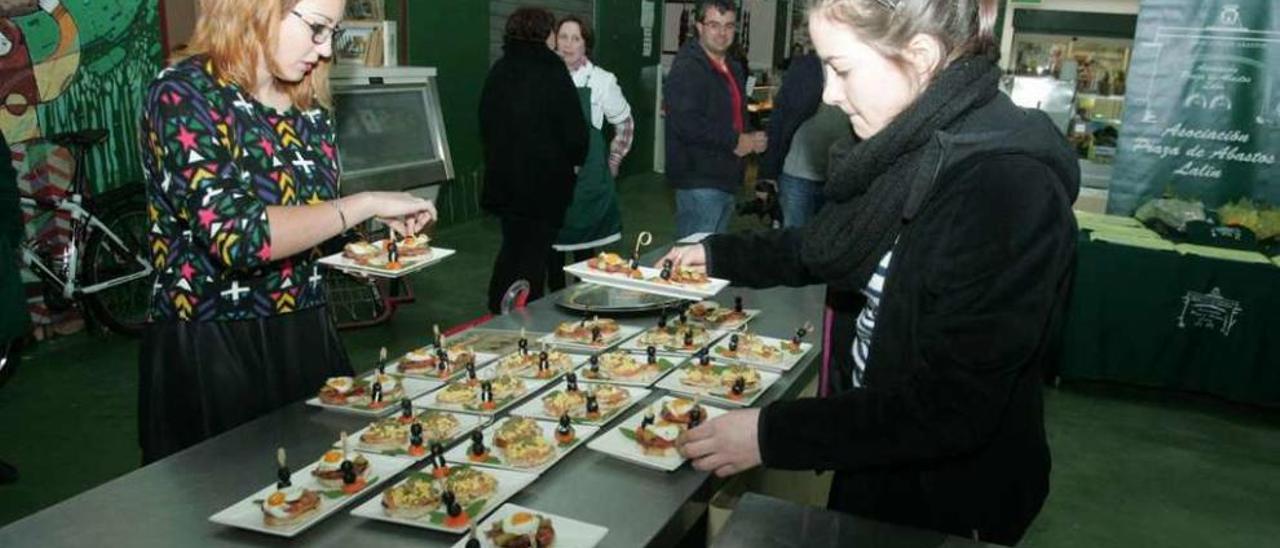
{"type": "Point", "coordinates": [1175, 316]}
{"type": "Point", "coordinates": [168, 503]}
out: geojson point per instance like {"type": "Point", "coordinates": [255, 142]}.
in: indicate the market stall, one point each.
{"type": "Point", "coordinates": [1148, 311]}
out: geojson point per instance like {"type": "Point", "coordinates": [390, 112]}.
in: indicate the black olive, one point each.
{"type": "Point", "coordinates": [283, 474]}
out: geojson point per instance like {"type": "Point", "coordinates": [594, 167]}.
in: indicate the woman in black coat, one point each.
{"type": "Point", "coordinates": [534, 137]}
{"type": "Point", "coordinates": [947, 241]}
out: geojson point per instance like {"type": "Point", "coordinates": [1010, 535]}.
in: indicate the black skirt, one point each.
{"type": "Point", "coordinates": [199, 379]}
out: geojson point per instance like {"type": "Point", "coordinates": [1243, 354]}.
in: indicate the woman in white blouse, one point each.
{"type": "Point", "coordinates": [593, 219]}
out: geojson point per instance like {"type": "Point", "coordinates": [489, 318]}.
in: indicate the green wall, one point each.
{"type": "Point", "coordinates": [619, 41]}
{"type": "Point", "coordinates": [453, 36]}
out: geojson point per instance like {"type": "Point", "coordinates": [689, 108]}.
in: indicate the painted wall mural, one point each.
{"type": "Point", "coordinates": [68, 65]}
{"type": "Point", "coordinates": [29, 78]}
{"type": "Point", "coordinates": [77, 64]}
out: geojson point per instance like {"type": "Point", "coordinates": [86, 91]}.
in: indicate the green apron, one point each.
{"type": "Point", "coordinates": [593, 214]}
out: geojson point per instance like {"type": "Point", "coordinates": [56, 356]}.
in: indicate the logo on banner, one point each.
{"type": "Point", "coordinates": [1229, 16]}
{"type": "Point", "coordinates": [1209, 311]}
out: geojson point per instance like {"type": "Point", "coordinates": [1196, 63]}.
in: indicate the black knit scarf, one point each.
{"type": "Point", "coordinates": [868, 183]}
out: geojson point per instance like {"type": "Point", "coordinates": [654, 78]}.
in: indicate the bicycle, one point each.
{"type": "Point", "coordinates": [357, 301]}
{"type": "Point", "coordinates": [103, 265]}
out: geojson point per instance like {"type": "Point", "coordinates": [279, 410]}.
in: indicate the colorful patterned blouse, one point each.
{"type": "Point", "coordinates": [214, 159]}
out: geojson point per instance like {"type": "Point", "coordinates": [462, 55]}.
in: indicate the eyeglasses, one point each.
{"type": "Point", "coordinates": [716, 26]}
{"type": "Point", "coordinates": [320, 32]}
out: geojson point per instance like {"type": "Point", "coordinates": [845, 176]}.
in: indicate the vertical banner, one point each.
{"type": "Point", "coordinates": [1202, 113]}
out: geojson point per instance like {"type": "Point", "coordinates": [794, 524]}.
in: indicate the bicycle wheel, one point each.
{"type": "Point", "coordinates": [121, 308]}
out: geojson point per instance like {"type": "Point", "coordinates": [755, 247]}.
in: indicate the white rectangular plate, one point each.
{"type": "Point", "coordinates": [693, 238]}
{"type": "Point", "coordinates": [624, 332]}
{"type": "Point", "coordinates": [615, 443]}
{"type": "Point", "coordinates": [492, 341]}
{"type": "Point", "coordinates": [787, 359]}
{"type": "Point", "coordinates": [428, 400]}
{"type": "Point", "coordinates": [411, 265]}
{"type": "Point", "coordinates": [665, 365]}
{"type": "Point", "coordinates": [718, 395]}
{"type": "Point", "coordinates": [482, 360]}
{"type": "Point", "coordinates": [467, 423]}
{"type": "Point", "coordinates": [635, 344]}
{"type": "Point", "coordinates": [575, 360]}
{"type": "Point", "coordinates": [750, 314]}
{"type": "Point", "coordinates": [534, 408]}
{"type": "Point", "coordinates": [460, 452]}
{"type": "Point", "coordinates": [570, 533]}
{"type": "Point", "coordinates": [413, 388]}
{"type": "Point", "coordinates": [509, 483]}
{"type": "Point", "coordinates": [713, 287]}
{"type": "Point", "coordinates": [247, 514]}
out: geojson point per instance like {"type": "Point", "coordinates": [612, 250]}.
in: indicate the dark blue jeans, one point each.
{"type": "Point", "coordinates": [702, 210]}
{"type": "Point", "coordinates": [800, 199]}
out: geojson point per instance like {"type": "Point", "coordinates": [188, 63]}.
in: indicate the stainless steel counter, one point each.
{"type": "Point", "coordinates": [167, 504]}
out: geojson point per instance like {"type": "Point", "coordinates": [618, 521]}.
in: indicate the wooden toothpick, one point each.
{"type": "Point", "coordinates": [643, 239]}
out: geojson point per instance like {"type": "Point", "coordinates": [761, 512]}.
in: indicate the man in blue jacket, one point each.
{"type": "Point", "coordinates": [705, 102]}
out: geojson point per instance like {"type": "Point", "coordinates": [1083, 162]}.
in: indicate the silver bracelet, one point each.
{"type": "Point", "coordinates": [341, 215]}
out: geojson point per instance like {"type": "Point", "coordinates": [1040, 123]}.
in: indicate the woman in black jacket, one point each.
{"type": "Point", "coordinates": [534, 137]}
{"type": "Point", "coordinates": [947, 240]}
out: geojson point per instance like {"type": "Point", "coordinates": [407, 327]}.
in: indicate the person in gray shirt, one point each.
{"type": "Point", "coordinates": [802, 130]}
{"type": "Point", "coordinates": [805, 168]}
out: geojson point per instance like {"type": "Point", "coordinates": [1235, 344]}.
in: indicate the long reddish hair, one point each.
{"type": "Point", "coordinates": [235, 34]}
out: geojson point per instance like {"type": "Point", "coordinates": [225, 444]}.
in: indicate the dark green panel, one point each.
{"type": "Point", "coordinates": [454, 38]}
{"type": "Point", "coordinates": [781, 48]}
{"type": "Point", "coordinates": [1075, 23]}
{"type": "Point", "coordinates": [619, 43]}
{"type": "Point", "coordinates": [1000, 9]}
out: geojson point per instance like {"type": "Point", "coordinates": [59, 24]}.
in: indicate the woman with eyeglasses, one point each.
{"type": "Point", "coordinates": [947, 244]}
{"type": "Point", "coordinates": [239, 152]}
